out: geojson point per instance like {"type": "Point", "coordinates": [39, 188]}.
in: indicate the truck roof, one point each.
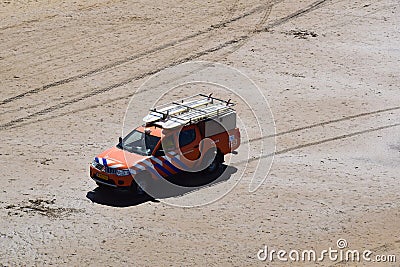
{"type": "Point", "coordinates": [188, 111]}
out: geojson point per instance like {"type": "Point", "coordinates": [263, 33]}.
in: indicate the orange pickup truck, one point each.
{"type": "Point", "coordinates": [190, 135]}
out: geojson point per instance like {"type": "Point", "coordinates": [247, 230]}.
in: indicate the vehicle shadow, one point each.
{"type": "Point", "coordinates": [116, 198]}
{"type": "Point", "coordinates": [188, 182]}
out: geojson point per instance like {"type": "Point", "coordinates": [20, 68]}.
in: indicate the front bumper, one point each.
{"type": "Point", "coordinates": [100, 181]}
{"type": "Point", "coordinates": [112, 180]}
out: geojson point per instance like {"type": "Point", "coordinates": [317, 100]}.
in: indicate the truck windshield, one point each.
{"type": "Point", "coordinates": [139, 143]}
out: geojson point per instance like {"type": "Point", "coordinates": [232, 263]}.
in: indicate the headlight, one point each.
{"type": "Point", "coordinates": [97, 165]}
{"type": "Point", "coordinates": [123, 172]}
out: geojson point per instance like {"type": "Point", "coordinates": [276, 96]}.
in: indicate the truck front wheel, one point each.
{"type": "Point", "coordinates": [141, 183]}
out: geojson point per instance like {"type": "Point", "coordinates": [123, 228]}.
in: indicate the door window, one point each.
{"type": "Point", "coordinates": [186, 137]}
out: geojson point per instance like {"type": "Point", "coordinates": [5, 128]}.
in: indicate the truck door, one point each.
{"type": "Point", "coordinates": [189, 139]}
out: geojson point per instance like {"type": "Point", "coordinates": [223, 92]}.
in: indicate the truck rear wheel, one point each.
{"type": "Point", "coordinates": [213, 162]}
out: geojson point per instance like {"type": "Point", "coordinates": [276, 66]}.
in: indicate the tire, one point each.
{"type": "Point", "coordinates": [212, 162]}
{"type": "Point", "coordinates": [140, 183]}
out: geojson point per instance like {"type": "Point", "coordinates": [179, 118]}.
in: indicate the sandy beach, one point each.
{"type": "Point", "coordinates": [329, 70]}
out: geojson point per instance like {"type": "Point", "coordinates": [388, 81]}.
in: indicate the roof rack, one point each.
{"type": "Point", "coordinates": [188, 110]}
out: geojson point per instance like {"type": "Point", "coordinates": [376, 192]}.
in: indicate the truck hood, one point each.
{"type": "Point", "coordinates": [117, 158]}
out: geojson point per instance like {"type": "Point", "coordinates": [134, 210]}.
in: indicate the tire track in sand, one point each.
{"type": "Point", "coordinates": [12, 123]}
{"type": "Point", "coordinates": [131, 58]}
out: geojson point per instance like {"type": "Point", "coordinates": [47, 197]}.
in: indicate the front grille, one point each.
{"type": "Point", "coordinates": [110, 170]}
{"type": "Point", "coordinates": [101, 167]}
